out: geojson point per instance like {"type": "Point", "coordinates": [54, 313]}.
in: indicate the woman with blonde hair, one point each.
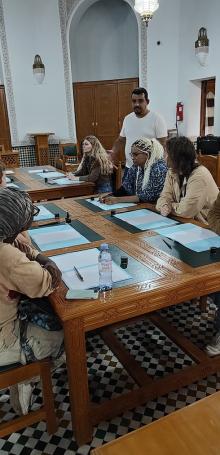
{"type": "Point", "coordinates": [144, 180]}
{"type": "Point", "coordinates": [95, 165]}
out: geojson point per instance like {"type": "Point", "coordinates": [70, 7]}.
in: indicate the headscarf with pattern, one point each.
{"type": "Point", "coordinates": [156, 152]}
{"type": "Point", "coordinates": [16, 211]}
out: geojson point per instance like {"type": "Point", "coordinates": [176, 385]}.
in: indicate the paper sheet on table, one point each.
{"type": "Point", "coordinates": [193, 237]}
{"type": "Point", "coordinates": [110, 206]}
{"type": "Point", "coordinates": [12, 185]}
{"type": "Point", "coordinates": [50, 174]}
{"type": "Point", "coordinates": [145, 219]}
{"type": "Point", "coordinates": [8, 172]}
{"type": "Point", "coordinates": [44, 214]}
{"type": "Point", "coordinates": [55, 237]}
{"type": "Point", "coordinates": [87, 263]}
{"type": "Point", "coordinates": [7, 179]}
{"type": "Point", "coordinates": [37, 171]}
{"type": "Point", "coordinates": [66, 181]}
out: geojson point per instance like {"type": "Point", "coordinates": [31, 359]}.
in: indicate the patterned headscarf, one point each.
{"type": "Point", "coordinates": [156, 152]}
{"type": "Point", "coordinates": [16, 211]}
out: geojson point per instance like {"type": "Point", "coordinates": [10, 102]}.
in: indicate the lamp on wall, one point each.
{"type": "Point", "coordinates": [38, 69]}
{"type": "Point", "coordinates": [146, 9]}
{"type": "Point", "coordinates": [202, 46]}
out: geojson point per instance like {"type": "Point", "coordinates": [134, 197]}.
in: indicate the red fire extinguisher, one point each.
{"type": "Point", "coordinates": [179, 112]}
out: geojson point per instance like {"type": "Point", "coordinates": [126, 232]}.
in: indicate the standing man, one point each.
{"type": "Point", "coordinates": [140, 123]}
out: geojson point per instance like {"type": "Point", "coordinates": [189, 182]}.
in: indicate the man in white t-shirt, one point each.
{"type": "Point", "coordinates": [140, 123]}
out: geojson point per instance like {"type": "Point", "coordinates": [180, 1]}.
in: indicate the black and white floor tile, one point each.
{"type": "Point", "coordinates": [157, 354]}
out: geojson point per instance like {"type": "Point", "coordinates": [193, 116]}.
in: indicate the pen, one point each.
{"type": "Point", "coordinates": [78, 274]}
{"type": "Point", "coordinates": [167, 244]}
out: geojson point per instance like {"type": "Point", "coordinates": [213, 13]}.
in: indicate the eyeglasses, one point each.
{"type": "Point", "coordinates": [133, 154]}
{"type": "Point", "coordinates": [36, 210]}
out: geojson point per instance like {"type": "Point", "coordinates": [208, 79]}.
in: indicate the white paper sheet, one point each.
{"type": "Point", "coordinates": [145, 219]}
{"type": "Point", "coordinates": [110, 206]}
{"type": "Point", "coordinates": [56, 237]}
{"type": "Point", "coordinates": [50, 174]}
{"type": "Point", "coordinates": [12, 185]}
{"type": "Point", "coordinates": [44, 214]}
{"type": "Point", "coordinates": [37, 171]}
{"type": "Point", "coordinates": [8, 172]}
{"type": "Point", "coordinates": [66, 181]}
{"type": "Point", "coordinates": [87, 263]}
{"type": "Point", "coordinates": [7, 179]}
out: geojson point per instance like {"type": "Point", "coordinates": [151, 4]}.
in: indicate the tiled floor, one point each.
{"type": "Point", "coordinates": [157, 354]}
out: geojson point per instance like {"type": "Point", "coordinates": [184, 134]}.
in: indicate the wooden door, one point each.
{"type": "Point", "coordinates": [207, 107]}
{"type": "Point", "coordinates": [106, 113]}
{"type": "Point", "coordinates": [5, 136]}
{"type": "Point", "coordinates": [84, 97]}
{"type": "Point", "coordinates": [125, 89]}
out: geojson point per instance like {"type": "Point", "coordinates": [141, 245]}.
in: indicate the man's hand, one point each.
{"type": "Point", "coordinates": [165, 210]}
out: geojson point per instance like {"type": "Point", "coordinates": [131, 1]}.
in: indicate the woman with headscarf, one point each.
{"type": "Point", "coordinates": [24, 271]}
{"type": "Point", "coordinates": [144, 181]}
{"type": "Point", "coordinates": [95, 166]}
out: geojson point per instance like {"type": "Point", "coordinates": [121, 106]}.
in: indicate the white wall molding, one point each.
{"type": "Point", "coordinates": [8, 80]}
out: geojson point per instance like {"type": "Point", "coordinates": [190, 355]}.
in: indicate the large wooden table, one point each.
{"type": "Point", "coordinates": [174, 282]}
{"type": "Point", "coordinates": [39, 190]}
{"type": "Point", "coordinates": [193, 430]}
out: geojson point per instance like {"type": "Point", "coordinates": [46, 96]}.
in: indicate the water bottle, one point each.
{"type": "Point", "coordinates": [105, 268]}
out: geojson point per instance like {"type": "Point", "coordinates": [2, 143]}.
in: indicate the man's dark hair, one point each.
{"type": "Point", "coordinates": [181, 155]}
{"type": "Point", "coordinates": [139, 91]}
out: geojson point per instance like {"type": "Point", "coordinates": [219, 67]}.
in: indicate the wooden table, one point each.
{"type": "Point", "coordinates": [39, 190]}
{"type": "Point", "coordinates": [193, 430]}
{"type": "Point", "coordinates": [174, 283]}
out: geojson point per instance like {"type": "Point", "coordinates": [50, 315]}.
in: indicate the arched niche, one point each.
{"type": "Point", "coordinates": [104, 42]}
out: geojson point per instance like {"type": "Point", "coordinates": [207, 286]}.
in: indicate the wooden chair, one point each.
{"type": "Point", "coordinates": [117, 176]}
{"type": "Point", "coordinates": [212, 162]}
{"type": "Point", "coordinates": [2, 148]}
{"type": "Point", "coordinates": [68, 154]}
{"type": "Point", "coordinates": [12, 375]}
{"type": "Point", "coordinates": [10, 158]}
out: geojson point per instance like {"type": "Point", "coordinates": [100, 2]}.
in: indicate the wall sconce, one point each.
{"type": "Point", "coordinates": [38, 69]}
{"type": "Point", "coordinates": [146, 9]}
{"type": "Point", "coordinates": [202, 46]}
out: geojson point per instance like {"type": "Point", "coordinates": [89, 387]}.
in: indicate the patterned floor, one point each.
{"type": "Point", "coordinates": [157, 354]}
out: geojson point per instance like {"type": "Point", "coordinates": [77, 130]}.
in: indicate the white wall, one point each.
{"type": "Point", "coordinates": [194, 15]}
{"type": "Point", "coordinates": [104, 43]}
{"type": "Point", "coordinates": [1, 73]}
{"type": "Point", "coordinates": [163, 59]}
{"type": "Point", "coordinates": [33, 27]}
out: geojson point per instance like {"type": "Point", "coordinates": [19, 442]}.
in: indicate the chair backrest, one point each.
{"type": "Point", "coordinates": [68, 150]}
{"type": "Point", "coordinates": [212, 162]}
{"type": "Point", "coordinates": [10, 159]}
{"type": "Point", "coordinates": [2, 148]}
{"type": "Point", "coordinates": [208, 145]}
{"type": "Point", "coordinates": [117, 177]}
{"type": "Point", "coordinates": [13, 374]}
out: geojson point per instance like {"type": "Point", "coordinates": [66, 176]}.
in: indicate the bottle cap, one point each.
{"type": "Point", "coordinates": [213, 250]}
{"type": "Point", "coordinates": [104, 246]}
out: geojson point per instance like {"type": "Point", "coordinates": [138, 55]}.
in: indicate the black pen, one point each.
{"type": "Point", "coordinates": [78, 274]}
{"type": "Point", "coordinates": [167, 244]}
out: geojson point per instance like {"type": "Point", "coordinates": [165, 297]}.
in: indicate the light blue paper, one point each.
{"type": "Point", "coordinates": [103, 206]}
{"type": "Point", "coordinates": [145, 219]}
{"type": "Point", "coordinates": [50, 174]}
{"type": "Point", "coordinates": [44, 214]}
{"type": "Point", "coordinates": [53, 237]}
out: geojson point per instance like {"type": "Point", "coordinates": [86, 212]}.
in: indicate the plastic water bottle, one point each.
{"type": "Point", "coordinates": [105, 268]}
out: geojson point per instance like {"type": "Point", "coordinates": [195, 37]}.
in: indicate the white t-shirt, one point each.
{"type": "Point", "coordinates": [133, 128]}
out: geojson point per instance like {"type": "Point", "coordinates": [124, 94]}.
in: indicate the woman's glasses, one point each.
{"type": "Point", "coordinates": [36, 210]}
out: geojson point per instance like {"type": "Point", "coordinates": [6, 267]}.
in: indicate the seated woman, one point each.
{"type": "Point", "coordinates": [23, 236]}
{"type": "Point", "coordinates": [95, 165]}
{"type": "Point", "coordinates": [25, 272]}
{"type": "Point", "coordinates": [189, 189]}
{"type": "Point", "coordinates": [214, 224]}
{"type": "Point", "coordinates": [144, 181]}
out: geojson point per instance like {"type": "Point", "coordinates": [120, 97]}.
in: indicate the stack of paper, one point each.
{"type": "Point", "coordinates": [193, 237]}
{"type": "Point", "coordinates": [37, 171]}
{"type": "Point", "coordinates": [86, 262]}
{"type": "Point", "coordinates": [145, 219]}
{"type": "Point", "coordinates": [56, 237]}
{"type": "Point", "coordinates": [66, 181]}
{"type": "Point", "coordinates": [12, 185]}
{"type": "Point", "coordinates": [102, 206]}
{"type": "Point", "coordinates": [44, 214]}
{"type": "Point", "coordinates": [50, 174]}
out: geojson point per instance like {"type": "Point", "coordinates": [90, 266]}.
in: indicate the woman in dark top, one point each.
{"type": "Point", "coordinates": [144, 180]}
{"type": "Point", "coordinates": [95, 165]}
